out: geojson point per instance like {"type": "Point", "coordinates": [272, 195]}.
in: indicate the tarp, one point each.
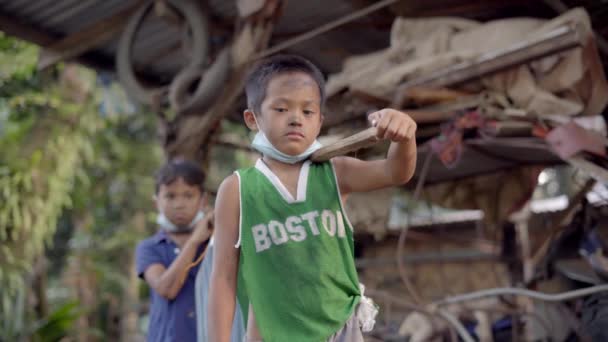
{"type": "Point", "coordinates": [568, 83]}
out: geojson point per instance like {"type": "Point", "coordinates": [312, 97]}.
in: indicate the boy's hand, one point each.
{"type": "Point", "coordinates": [203, 228]}
{"type": "Point", "coordinates": [393, 125]}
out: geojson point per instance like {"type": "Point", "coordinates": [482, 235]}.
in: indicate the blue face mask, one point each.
{"type": "Point", "coordinates": [170, 227]}
{"type": "Point", "coordinates": [265, 147]}
{"type": "Point", "coordinates": [261, 144]}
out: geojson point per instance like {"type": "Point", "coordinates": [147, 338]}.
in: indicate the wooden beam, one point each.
{"type": "Point", "coordinates": [559, 7]}
{"type": "Point", "coordinates": [84, 40]}
{"type": "Point", "coordinates": [352, 143]}
{"type": "Point", "coordinates": [459, 256]}
{"type": "Point", "coordinates": [454, 8]}
{"type": "Point", "coordinates": [22, 30]}
{"type": "Point", "coordinates": [508, 129]}
{"type": "Point", "coordinates": [558, 40]}
{"type": "Point", "coordinates": [423, 96]}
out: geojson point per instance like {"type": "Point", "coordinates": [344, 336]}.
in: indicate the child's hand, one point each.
{"type": "Point", "coordinates": [203, 228]}
{"type": "Point", "coordinates": [393, 125]}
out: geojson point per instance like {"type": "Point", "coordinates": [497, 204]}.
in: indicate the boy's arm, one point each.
{"type": "Point", "coordinates": [222, 291]}
{"type": "Point", "coordinates": [167, 282]}
{"type": "Point", "coordinates": [355, 175]}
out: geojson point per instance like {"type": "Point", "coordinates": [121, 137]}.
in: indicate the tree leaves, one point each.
{"type": "Point", "coordinates": [61, 158]}
{"type": "Point", "coordinates": [45, 143]}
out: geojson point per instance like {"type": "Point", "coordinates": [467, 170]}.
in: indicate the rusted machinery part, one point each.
{"type": "Point", "coordinates": [197, 21]}
{"type": "Point", "coordinates": [210, 83]}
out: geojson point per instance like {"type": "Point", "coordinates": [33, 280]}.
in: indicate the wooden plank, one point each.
{"type": "Point", "coordinates": [352, 143]}
{"type": "Point", "coordinates": [458, 256]}
{"type": "Point", "coordinates": [92, 36]}
{"type": "Point", "coordinates": [508, 129]}
{"type": "Point", "coordinates": [558, 40]}
{"type": "Point", "coordinates": [461, 103]}
{"type": "Point", "coordinates": [445, 110]}
{"type": "Point", "coordinates": [423, 96]}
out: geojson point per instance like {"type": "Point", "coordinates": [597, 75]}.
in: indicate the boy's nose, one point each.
{"type": "Point", "coordinates": [295, 120]}
{"type": "Point", "coordinates": [178, 203]}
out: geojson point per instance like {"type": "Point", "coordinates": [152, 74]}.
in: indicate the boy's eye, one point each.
{"type": "Point", "coordinates": [169, 196]}
{"type": "Point", "coordinates": [281, 110]}
{"type": "Point", "coordinates": [309, 112]}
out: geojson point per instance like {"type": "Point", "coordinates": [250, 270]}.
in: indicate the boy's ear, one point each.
{"type": "Point", "coordinates": [204, 200]}
{"type": "Point", "coordinates": [155, 201]}
{"type": "Point", "coordinates": [250, 120]}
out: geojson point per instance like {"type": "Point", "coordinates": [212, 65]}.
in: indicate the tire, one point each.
{"type": "Point", "coordinates": [198, 23]}
{"type": "Point", "coordinates": [594, 320]}
{"type": "Point", "coordinates": [210, 83]}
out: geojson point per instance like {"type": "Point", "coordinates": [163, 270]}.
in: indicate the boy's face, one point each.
{"type": "Point", "coordinates": [291, 112]}
{"type": "Point", "coordinates": [179, 201]}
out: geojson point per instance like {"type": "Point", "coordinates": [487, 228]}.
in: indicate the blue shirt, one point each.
{"type": "Point", "coordinates": [170, 320]}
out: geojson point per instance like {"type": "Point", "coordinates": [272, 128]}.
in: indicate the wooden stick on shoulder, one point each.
{"type": "Point", "coordinates": [349, 144]}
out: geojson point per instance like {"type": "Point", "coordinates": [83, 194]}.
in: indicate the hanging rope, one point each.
{"type": "Point", "coordinates": [402, 235]}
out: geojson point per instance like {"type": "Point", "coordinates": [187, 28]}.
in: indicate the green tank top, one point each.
{"type": "Point", "coordinates": [297, 254]}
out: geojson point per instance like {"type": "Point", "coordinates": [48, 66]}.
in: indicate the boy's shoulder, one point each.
{"type": "Point", "coordinates": [153, 240]}
{"type": "Point", "coordinates": [243, 170]}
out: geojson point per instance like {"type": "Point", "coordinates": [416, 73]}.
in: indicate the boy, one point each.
{"type": "Point", "coordinates": [296, 256]}
{"type": "Point", "coordinates": [164, 259]}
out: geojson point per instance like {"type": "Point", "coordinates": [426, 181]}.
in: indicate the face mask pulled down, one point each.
{"type": "Point", "coordinates": [170, 227]}
{"type": "Point", "coordinates": [264, 146]}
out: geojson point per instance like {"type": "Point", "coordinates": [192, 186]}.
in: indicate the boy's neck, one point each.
{"type": "Point", "coordinates": [179, 238]}
{"type": "Point", "coordinates": [274, 164]}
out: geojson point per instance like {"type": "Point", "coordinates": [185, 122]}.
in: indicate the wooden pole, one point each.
{"type": "Point", "coordinates": [352, 143]}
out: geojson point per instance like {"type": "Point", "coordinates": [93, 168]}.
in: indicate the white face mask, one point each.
{"type": "Point", "coordinates": [265, 147]}
{"type": "Point", "coordinates": [170, 227]}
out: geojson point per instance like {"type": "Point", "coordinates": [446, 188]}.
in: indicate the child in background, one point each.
{"type": "Point", "coordinates": [165, 260]}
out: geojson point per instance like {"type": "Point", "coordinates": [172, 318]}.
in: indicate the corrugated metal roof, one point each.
{"type": "Point", "coordinates": [65, 17]}
{"type": "Point", "coordinates": [299, 16]}
{"type": "Point", "coordinates": [224, 9]}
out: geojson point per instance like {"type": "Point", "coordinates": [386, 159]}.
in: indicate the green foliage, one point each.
{"type": "Point", "coordinates": [45, 139]}
{"type": "Point", "coordinates": [18, 60]}
{"type": "Point", "coordinates": [73, 180]}
{"type": "Point", "coordinates": [57, 325]}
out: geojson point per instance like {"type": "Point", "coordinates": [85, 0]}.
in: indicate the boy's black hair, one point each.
{"type": "Point", "coordinates": [187, 170]}
{"type": "Point", "coordinates": [261, 74]}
